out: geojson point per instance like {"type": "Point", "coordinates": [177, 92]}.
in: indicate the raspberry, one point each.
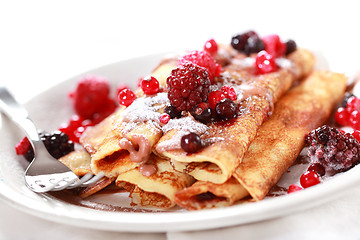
{"type": "Point", "coordinates": [211, 46]}
{"type": "Point", "coordinates": [356, 134]}
{"type": "Point", "coordinates": [191, 142]}
{"type": "Point", "coordinates": [126, 97]}
{"type": "Point", "coordinates": [309, 178]}
{"type": "Point", "coordinates": [215, 97]}
{"type": "Point", "coordinates": [342, 116]}
{"type": "Point", "coordinates": [274, 46]}
{"type": "Point", "coordinates": [188, 85]}
{"type": "Point", "coordinates": [203, 59]}
{"type": "Point", "coordinates": [57, 143]}
{"type": "Point", "coordinates": [265, 63]}
{"type": "Point", "coordinates": [229, 92]}
{"type": "Point", "coordinates": [149, 85]}
{"type": "Point", "coordinates": [336, 151]}
{"type": "Point", "coordinates": [294, 188]}
{"type": "Point", "coordinates": [90, 95]}
{"type": "Point", "coordinates": [23, 146]}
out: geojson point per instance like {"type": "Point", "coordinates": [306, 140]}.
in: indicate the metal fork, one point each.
{"type": "Point", "coordinates": [45, 173]}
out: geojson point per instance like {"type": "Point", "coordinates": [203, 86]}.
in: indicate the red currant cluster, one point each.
{"type": "Point", "coordinates": [349, 115]}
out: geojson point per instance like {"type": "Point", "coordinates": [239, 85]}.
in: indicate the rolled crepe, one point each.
{"type": "Point", "coordinates": [276, 146]}
{"type": "Point", "coordinates": [229, 141]}
{"type": "Point", "coordinates": [157, 190]}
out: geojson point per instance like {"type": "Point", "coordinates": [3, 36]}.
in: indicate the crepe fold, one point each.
{"type": "Point", "coordinates": [228, 141]}
{"type": "Point", "coordinates": [276, 146]}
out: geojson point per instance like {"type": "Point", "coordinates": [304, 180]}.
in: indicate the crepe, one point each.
{"type": "Point", "coordinates": [157, 190]}
{"type": "Point", "coordinates": [276, 146]}
{"type": "Point", "coordinates": [230, 140]}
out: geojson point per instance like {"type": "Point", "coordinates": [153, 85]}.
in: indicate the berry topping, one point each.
{"type": "Point", "coordinates": [215, 97]}
{"type": "Point", "coordinates": [57, 143]}
{"type": "Point", "coordinates": [149, 85]}
{"type": "Point", "coordinates": [346, 98]}
{"type": "Point", "coordinates": [274, 46]}
{"type": "Point", "coordinates": [226, 109]}
{"type": "Point", "coordinates": [23, 146]}
{"type": "Point", "coordinates": [188, 85]}
{"type": "Point", "coordinates": [336, 151]}
{"type": "Point", "coordinates": [352, 104]}
{"type": "Point", "coordinates": [202, 112]}
{"type": "Point", "coordinates": [76, 127]}
{"type": "Point", "coordinates": [173, 113]}
{"type": "Point", "coordinates": [253, 45]}
{"type": "Point", "coordinates": [191, 142]}
{"type": "Point", "coordinates": [126, 97]}
{"type": "Point", "coordinates": [239, 41]}
{"type": "Point", "coordinates": [229, 92]}
{"type": "Point", "coordinates": [265, 63]}
{"type": "Point", "coordinates": [211, 46]}
{"type": "Point", "coordinates": [202, 59]}
{"type": "Point", "coordinates": [164, 118]}
{"type": "Point", "coordinates": [294, 188]}
{"type": "Point", "coordinates": [354, 119]}
{"type": "Point", "coordinates": [342, 116]}
{"type": "Point", "coordinates": [309, 178]}
{"type": "Point", "coordinates": [90, 95]}
{"type": "Point", "coordinates": [120, 88]}
{"type": "Point", "coordinates": [290, 47]}
{"type": "Point", "coordinates": [318, 168]}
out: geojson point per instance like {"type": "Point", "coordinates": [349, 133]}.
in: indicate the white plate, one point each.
{"type": "Point", "coordinates": [51, 108]}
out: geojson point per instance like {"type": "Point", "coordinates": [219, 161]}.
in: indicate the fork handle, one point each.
{"type": "Point", "coordinates": [16, 112]}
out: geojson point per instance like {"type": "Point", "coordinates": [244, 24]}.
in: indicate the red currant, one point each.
{"type": "Point", "coordinates": [294, 188]}
{"type": "Point", "coordinates": [352, 104]}
{"type": "Point", "coordinates": [215, 97]}
{"type": "Point", "coordinates": [120, 88]}
{"type": "Point", "coordinates": [149, 85]}
{"type": "Point", "coordinates": [211, 46]}
{"type": "Point", "coordinates": [356, 134]}
{"type": "Point", "coordinates": [229, 92]}
{"type": "Point", "coordinates": [342, 116]}
{"type": "Point", "coordinates": [265, 63]}
{"type": "Point", "coordinates": [309, 178]}
{"type": "Point", "coordinates": [126, 97]}
{"type": "Point", "coordinates": [354, 119]}
{"type": "Point", "coordinates": [164, 118]}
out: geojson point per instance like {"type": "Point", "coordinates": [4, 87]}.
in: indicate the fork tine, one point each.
{"type": "Point", "coordinates": [89, 181]}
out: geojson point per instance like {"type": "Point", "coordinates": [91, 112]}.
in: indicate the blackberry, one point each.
{"type": "Point", "coordinates": [226, 109]}
{"type": "Point", "coordinates": [57, 143]}
{"type": "Point", "coordinates": [188, 85]}
{"type": "Point", "coordinates": [290, 47]}
{"type": "Point", "coordinates": [253, 45]}
{"type": "Point", "coordinates": [332, 149]}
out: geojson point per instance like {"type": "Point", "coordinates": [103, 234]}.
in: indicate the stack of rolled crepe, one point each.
{"type": "Point", "coordinates": [131, 143]}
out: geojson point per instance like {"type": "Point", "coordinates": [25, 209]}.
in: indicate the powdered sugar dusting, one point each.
{"type": "Point", "coordinates": [144, 109]}
{"type": "Point", "coordinates": [184, 126]}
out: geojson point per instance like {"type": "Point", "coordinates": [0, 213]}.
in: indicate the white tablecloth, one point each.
{"type": "Point", "coordinates": [45, 42]}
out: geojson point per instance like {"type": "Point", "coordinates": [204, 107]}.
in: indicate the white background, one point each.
{"type": "Point", "coordinates": [45, 42]}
